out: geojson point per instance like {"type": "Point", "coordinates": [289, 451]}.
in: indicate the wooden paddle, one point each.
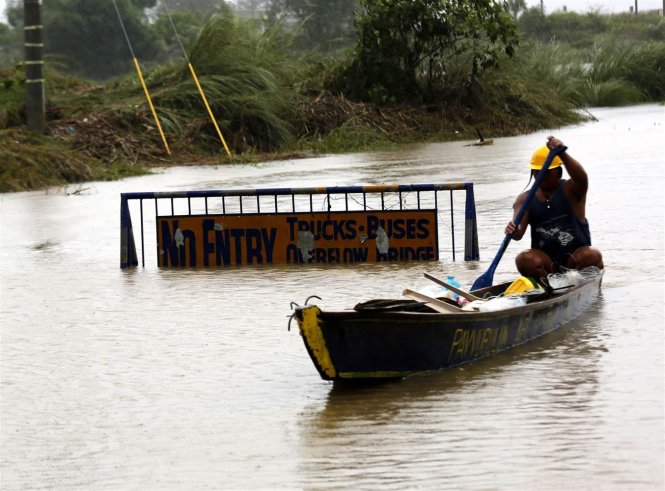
{"type": "Point", "coordinates": [462, 293]}
{"type": "Point", "coordinates": [485, 280]}
{"type": "Point", "coordinates": [435, 303]}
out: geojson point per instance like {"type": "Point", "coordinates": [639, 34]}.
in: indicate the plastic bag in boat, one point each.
{"type": "Point", "coordinates": [566, 279]}
{"type": "Point", "coordinates": [502, 303]}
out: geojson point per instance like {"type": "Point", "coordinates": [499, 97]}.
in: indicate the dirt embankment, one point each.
{"type": "Point", "coordinates": [108, 144]}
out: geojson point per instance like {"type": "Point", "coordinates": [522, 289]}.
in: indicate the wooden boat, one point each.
{"type": "Point", "coordinates": [383, 339]}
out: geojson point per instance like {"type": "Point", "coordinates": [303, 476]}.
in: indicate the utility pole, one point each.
{"type": "Point", "coordinates": [35, 107]}
{"type": "Point", "coordinates": [635, 7]}
{"type": "Point", "coordinates": [542, 6]}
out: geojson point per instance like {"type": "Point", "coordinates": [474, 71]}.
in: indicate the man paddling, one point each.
{"type": "Point", "coordinates": [557, 215]}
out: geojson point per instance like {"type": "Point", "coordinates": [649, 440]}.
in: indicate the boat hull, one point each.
{"type": "Point", "coordinates": [374, 344]}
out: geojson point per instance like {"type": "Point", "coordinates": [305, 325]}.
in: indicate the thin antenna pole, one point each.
{"type": "Point", "coordinates": [145, 87]}
{"type": "Point", "coordinates": [196, 80]}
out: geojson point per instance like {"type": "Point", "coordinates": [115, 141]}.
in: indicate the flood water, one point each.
{"type": "Point", "coordinates": [188, 379]}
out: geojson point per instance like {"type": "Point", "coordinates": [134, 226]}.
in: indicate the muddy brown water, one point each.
{"type": "Point", "coordinates": [164, 379]}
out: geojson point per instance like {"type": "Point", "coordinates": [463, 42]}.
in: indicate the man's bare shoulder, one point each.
{"type": "Point", "coordinates": [521, 199]}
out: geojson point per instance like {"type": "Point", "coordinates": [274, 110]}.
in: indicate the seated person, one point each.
{"type": "Point", "coordinates": [560, 233]}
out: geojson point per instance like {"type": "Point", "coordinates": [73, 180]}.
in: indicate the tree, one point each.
{"type": "Point", "coordinates": [10, 44]}
{"type": "Point", "coordinates": [187, 25]}
{"type": "Point", "coordinates": [14, 14]}
{"type": "Point", "coordinates": [87, 37]}
{"type": "Point", "coordinates": [579, 30]}
{"type": "Point", "coordinates": [11, 34]}
{"type": "Point", "coordinates": [326, 24]}
{"type": "Point", "coordinates": [515, 7]}
{"type": "Point", "coordinates": [406, 49]}
{"type": "Point", "coordinates": [252, 8]}
{"type": "Point", "coordinates": [203, 8]}
{"type": "Point", "coordinates": [11, 38]}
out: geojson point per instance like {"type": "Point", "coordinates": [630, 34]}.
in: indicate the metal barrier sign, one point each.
{"type": "Point", "coordinates": [319, 237]}
{"type": "Point", "coordinates": [317, 225]}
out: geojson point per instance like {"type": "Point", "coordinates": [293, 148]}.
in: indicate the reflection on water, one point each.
{"type": "Point", "coordinates": [171, 379]}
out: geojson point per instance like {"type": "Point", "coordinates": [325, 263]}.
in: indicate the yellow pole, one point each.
{"type": "Point", "coordinates": [196, 80]}
{"type": "Point", "coordinates": [212, 117]}
{"type": "Point", "coordinates": [138, 70]}
{"type": "Point", "coordinates": [152, 108]}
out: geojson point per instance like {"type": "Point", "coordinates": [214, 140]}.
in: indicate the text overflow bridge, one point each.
{"type": "Point", "coordinates": [342, 224]}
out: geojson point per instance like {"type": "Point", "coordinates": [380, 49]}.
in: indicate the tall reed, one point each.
{"type": "Point", "coordinates": [609, 73]}
{"type": "Point", "coordinates": [242, 71]}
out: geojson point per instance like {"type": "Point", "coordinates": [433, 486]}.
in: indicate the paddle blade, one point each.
{"type": "Point", "coordinates": [483, 281]}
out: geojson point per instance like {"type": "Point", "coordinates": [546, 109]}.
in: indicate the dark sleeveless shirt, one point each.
{"type": "Point", "coordinates": [556, 230]}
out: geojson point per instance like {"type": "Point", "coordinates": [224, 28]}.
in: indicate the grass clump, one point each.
{"type": "Point", "coordinates": [608, 73]}
{"type": "Point", "coordinates": [34, 161]}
